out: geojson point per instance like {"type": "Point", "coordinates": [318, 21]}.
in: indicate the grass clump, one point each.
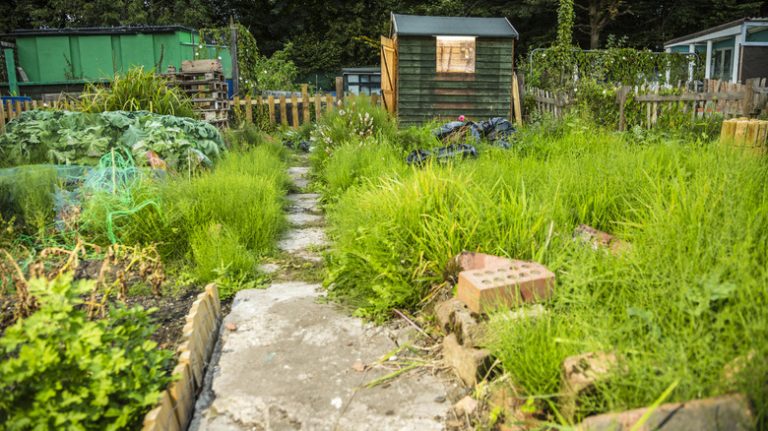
{"type": "Point", "coordinates": [137, 90]}
{"type": "Point", "coordinates": [676, 306]}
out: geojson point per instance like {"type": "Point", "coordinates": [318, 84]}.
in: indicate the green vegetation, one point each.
{"type": "Point", "coordinates": [60, 370]}
{"type": "Point", "coordinates": [66, 138]}
{"type": "Point", "coordinates": [137, 90]}
{"type": "Point", "coordinates": [683, 300]}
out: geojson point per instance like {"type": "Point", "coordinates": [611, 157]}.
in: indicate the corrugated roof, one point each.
{"type": "Point", "coordinates": [146, 29]}
{"type": "Point", "coordinates": [727, 25]}
{"type": "Point", "coordinates": [414, 25]}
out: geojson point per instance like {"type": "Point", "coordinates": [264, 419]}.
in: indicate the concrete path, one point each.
{"type": "Point", "coordinates": [287, 360]}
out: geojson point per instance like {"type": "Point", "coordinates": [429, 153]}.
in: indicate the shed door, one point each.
{"type": "Point", "coordinates": [389, 74]}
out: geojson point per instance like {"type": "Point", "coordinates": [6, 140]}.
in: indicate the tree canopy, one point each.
{"type": "Point", "coordinates": [324, 35]}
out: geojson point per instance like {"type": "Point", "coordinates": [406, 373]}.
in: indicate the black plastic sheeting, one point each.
{"type": "Point", "coordinates": [297, 145]}
{"type": "Point", "coordinates": [498, 131]}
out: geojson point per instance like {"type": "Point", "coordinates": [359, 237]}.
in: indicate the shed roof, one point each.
{"type": "Point", "coordinates": [722, 29]}
{"type": "Point", "coordinates": [415, 25]}
{"type": "Point", "coordinates": [136, 29]}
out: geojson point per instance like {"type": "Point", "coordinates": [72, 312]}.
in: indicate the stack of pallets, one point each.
{"type": "Point", "coordinates": [203, 81]}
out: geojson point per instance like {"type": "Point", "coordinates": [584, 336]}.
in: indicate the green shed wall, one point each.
{"type": "Point", "coordinates": [422, 94]}
{"type": "Point", "coordinates": [57, 59]}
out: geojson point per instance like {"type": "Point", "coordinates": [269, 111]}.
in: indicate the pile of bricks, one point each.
{"type": "Point", "coordinates": [176, 406]}
{"type": "Point", "coordinates": [751, 135]}
{"type": "Point", "coordinates": [486, 283]}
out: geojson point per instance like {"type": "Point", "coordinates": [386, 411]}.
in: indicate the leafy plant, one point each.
{"type": "Point", "coordinates": [60, 370]}
{"type": "Point", "coordinates": [63, 137]}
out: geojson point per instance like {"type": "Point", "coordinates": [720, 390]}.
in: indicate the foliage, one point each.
{"type": "Point", "coordinates": [63, 137]}
{"type": "Point", "coordinates": [565, 24]}
{"type": "Point", "coordinates": [137, 90]}
{"type": "Point", "coordinates": [673, 305]}
{"type": "Point", "coordinates": [61, 371]}
{"type": "Point", "coordinates": [257, 72]}
{"type": "Point", "coordinates": [356, 120]}
{"type": "Point", "coordinates": [277, 72]}
{"type": "Point", "coordinates": [28, 193]}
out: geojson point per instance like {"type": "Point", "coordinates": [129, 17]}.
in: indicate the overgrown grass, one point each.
{"type": "Point", "coordinates": [222, 221]}
{"type": "Point", "coordinates": [684, 300]}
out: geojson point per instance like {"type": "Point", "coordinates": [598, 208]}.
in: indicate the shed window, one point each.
{"type": "Point", "coordinates": [455, 54]}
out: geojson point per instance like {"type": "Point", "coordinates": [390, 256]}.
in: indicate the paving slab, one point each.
{"type": "Point", "coordinates": [303, 219]}
{"type": "Point", "coordinates": [304, 243]}
{"type": "Point", "coordinates": [290, 365]}
{"type": "Point", "coordinates": [299, 175]}
{"type": "Point", "coordinates": [304, 202]}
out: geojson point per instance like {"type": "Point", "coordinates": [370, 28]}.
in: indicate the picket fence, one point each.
{"type": "Point", "coordinates": [713, 98]}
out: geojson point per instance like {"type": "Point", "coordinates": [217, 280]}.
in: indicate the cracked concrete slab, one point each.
{"type": "Point", "coordinates": [289, 366]}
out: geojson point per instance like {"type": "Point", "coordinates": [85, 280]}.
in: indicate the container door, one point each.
{"type": "Point", "coordinates": [389, 74]}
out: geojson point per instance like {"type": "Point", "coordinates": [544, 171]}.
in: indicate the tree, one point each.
{"type": "Point", "coordinates": [600, 13]}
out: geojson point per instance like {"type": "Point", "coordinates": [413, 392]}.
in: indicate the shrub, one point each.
{"type": "Point", "coordinates": [61, 371]}
{"type": "Point", "coordinates": [137, 90]}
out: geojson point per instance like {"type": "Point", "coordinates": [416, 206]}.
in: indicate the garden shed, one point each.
{"type": "Point", "coordinates": [443, 67]}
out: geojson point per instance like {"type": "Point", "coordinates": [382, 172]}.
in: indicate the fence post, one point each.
{"type": "Point", "coordinates": [340, 88]}
{"type": "Point", "coordinates": [271, 107]}
{"type": "Point", "coordinates": [305, 102]}
{"type": "Point", "coordinates": [248, 109]}
{"type": "Point", "coordinates": [749, 95]}
{"type": "Point", "coordinates": [621, 99]}
{"type": "Point", "coordinates": [318, 106]}
{"type": "Point", "coordinates": [283, 111]}
{"type": "Point", "coordinates": [328, 103]}
{"type": "Point", "coordinates": [294, 111]}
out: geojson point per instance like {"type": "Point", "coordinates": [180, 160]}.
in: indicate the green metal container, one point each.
{"type": "Point", "coordinates": [79, 55]}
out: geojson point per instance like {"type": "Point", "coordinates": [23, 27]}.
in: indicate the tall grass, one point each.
{"type": "Point", "coordinates": [137, 90]}
{"type": "Point", "coordinates": [687, 297]}
{"type": "Point", "coordinates": [222, 221]}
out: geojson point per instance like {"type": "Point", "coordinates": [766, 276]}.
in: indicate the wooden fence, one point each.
{"type": "Point", "coordinates": [715, 98]}
{"type": "Point", "coordinates": [293, 110]}
{"type": "Point", "coordinates": [10, 110]}
{"type": "Point", "coordinates": [289, 110]}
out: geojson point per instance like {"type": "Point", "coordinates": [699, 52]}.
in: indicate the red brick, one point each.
{"type": "Point", "coordinates": [502, 286]}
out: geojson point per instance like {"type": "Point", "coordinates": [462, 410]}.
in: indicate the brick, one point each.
{"type": "Point", "coordinates": [730, 412]}
{"type": "Point", "coordinates": [468, 261]}
{"type": "Point", "coordinates": [466, 406]}
{"type": "Point", "coordinates": [470, 364]}
{"type": "Point", "coordinates": [598, 239]}
{"type": "Point", "coordinates": [580, 373]}
{"type": "Point", "coordinates": [505, 286]}
{"type": "Point", "coordinates": [454, 317]}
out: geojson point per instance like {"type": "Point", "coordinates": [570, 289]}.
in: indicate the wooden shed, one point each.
{"type": "Point", "coordinates": [433, 66]}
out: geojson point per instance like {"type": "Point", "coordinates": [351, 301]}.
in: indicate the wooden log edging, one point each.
{"type": "Point", "coordinates": [177, 403]}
